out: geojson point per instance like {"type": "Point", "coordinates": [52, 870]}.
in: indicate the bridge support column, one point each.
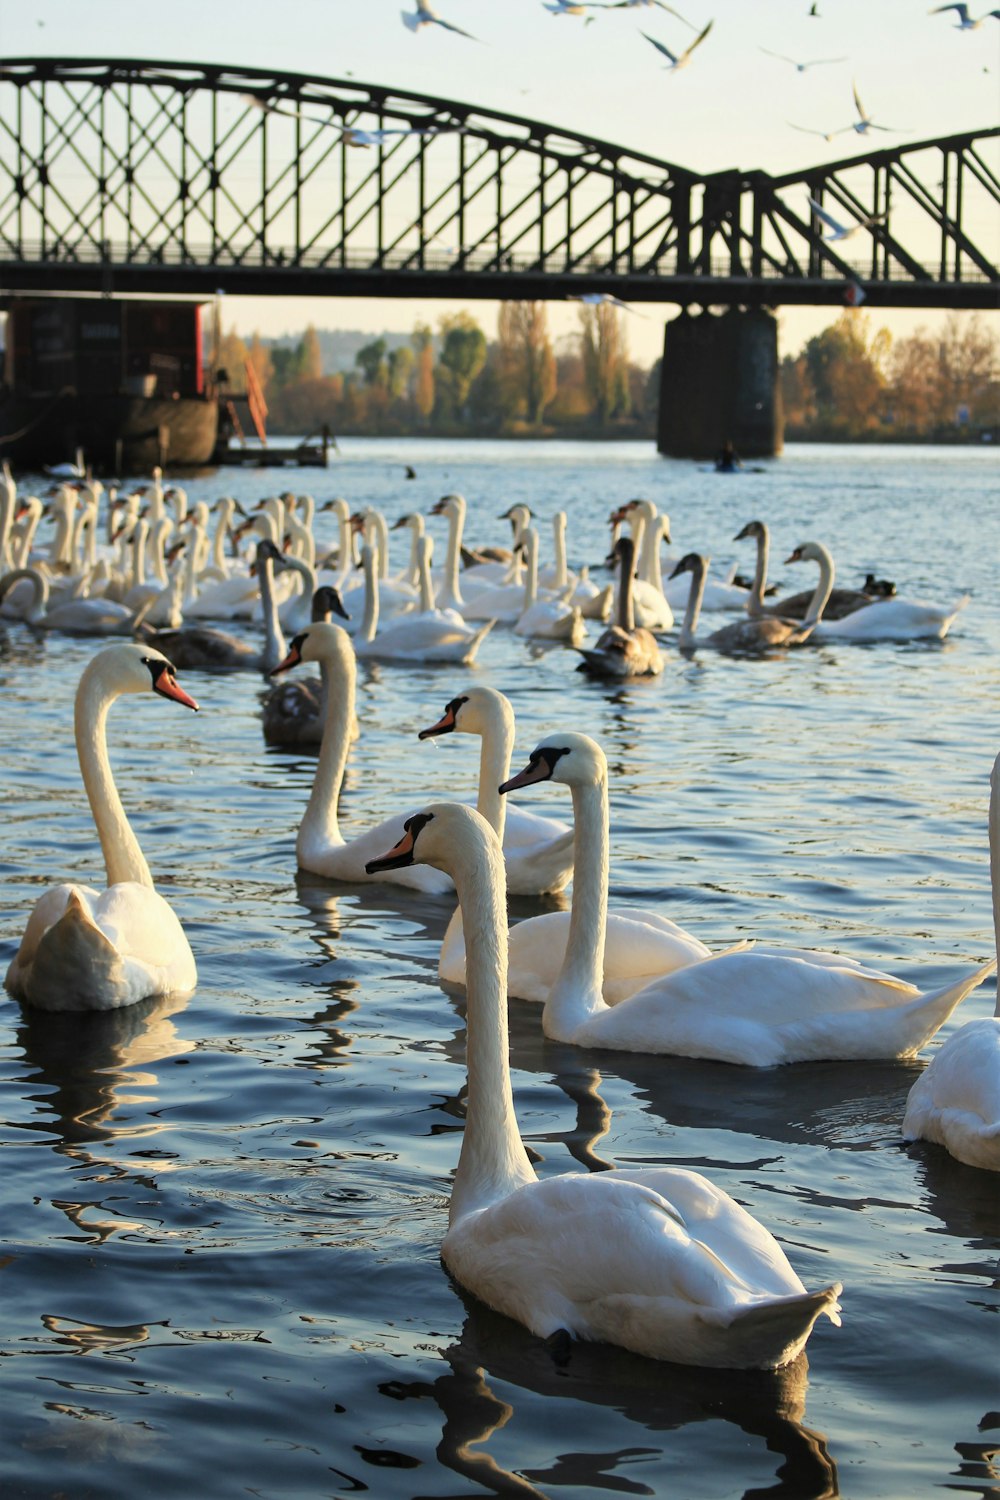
{"type": "Point", "coordinates": [720, 382]}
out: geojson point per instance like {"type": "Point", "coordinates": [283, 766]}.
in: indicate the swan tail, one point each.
{"type": "Point", "coordinates": [929, 1012]}
{"type": "Point", "coordinates": [76, 967]}
{"type": "Point", "coordinates": [767, 1335]}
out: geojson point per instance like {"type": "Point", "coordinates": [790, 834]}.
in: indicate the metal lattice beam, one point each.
{"type": "Point", "coordinates": [155, 177]}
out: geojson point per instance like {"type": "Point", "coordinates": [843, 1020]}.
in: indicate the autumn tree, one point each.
{"type": "Point", "coordinates": [259, 356]}
{"type": "Point", "coordinates": [846, 369]}
{"type": "Point", "coordinates": [232, 355]}
{"type": "Point", "coordinates": [605, 360]}
{"type": "Point", "coordinates": [527, 367]}
{"type": "Point", "coordinates": [422, 343]}
{"type": "Point", "coordinates": [310, 355]}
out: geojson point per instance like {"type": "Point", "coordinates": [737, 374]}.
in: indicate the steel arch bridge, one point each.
{"type": "Point", "coordinates": [172, 178]}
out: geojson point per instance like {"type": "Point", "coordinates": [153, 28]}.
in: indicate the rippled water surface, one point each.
{"type": "Point", "coordinates": [221, 1214]}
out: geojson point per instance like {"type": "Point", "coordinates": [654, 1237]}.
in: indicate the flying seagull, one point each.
{"type": "Point", "coordinates": [840, 231]}
{"type": "Point", "coordinates": [635, 5]}
{"type": "Point", "coordinates": [800, 67]}
{"type": "Point", "coordinates": [678, 61]}
{"type": "Point", "coordinates": [861, 125]}
{"type": "Point", "coordinates": [594, 299]}
{"type": "Point", "coordinates": [425, 16]}
{"type": "Point", "coordinates": [965, 21]}
{"type": "Point", "coordinates": [571, 8]}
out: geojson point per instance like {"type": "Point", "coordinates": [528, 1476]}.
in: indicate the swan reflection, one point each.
{"type": "Point", "coordinates": [651, 1396]}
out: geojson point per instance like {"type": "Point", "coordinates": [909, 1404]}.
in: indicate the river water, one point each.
{"type": "Point", "coordinates": [221, 1214]}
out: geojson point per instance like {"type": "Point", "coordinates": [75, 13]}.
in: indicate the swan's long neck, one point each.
{"type": "Point", "coordinates": [320, 825]}
{"type": "Point", "coordinates": [38, 607]}
{"type": "Point", "coordinates": [697, 589]}
{"type": "Point", "coordinates": [576, 994]}
{"type": "Point", "coordinates": [424, 575]}
{"type": "Point", "coordinates": [824, 587]}
{"type": "Point", "coordinates": [221, 532]}
{"type": "Point", "coordinates": [493, 1162]}
{"type": "Point", "coordinates": [494, 766]}
{"type": "Point", "coordinates": [275, 649]}
{"type": "Point", "coordinates": [452, 593]}
{"type": "Point", "coordinates": [380, 533]}
{"type": "Point", "coordinates": [626, 608]}
{"type": "Point", "coordinates": [531, 585]}
{"type": "Point", "coordinates": [995, 860]}
{"type": "Point", "coordinates": [123, 858]}
{"type": "Point", "coordinates": [8, 493]}
{"type": "Point", "coordinates": [416, 525]}
{"type": "Point", "coordinates": [369, 623]}
{"type": "Point", "coordinates": [559, 547]}
{"type": "Point", "coordinates": [755, 604]}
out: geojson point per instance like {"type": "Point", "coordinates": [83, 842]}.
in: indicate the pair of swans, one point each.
{"type": "Point", "coordinates": [856, 616]}
{"type": "Point", "coordinates": [539, 849]}
{"type": "Point", "coordinates": [427, 634]}
{"type": "Point", "coordinates": [549, 618]}
{"type": "Point", "coordinates": [624, 649]}
{"type": "Point", "coordinates": [956, 1100]}
{"type": "Point", "coordinates": [752, 1004]}
{"type": "Point", "coordinates": [658, 1261]}
{"type": "Point", "coordinates": [85, 949]}
{"type": "Point", "coordinates": [755, 634]}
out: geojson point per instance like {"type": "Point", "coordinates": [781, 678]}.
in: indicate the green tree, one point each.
{"type": "Point", "coordinates": [401, 362]}
{"type": "Point", "coordinates": [846, 369]}
{"type": "Point", "coordinates": [372, 362]}
{"type": "Point", "coordinates": [463, 354]}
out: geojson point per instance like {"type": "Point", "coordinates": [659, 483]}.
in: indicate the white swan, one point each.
{"type": "Point", "coordinates": [754, 1005]}
{"type": "Point", "coordinates": [89, 950]}
{"type": "Point", "coordinates": [893, 619]}
{"type": "Point", "coordinates": [547, 619]}
{"type": "Point", "coordinates": [98, 616]}
{"type": "Point", "coordinates": [650, 603]}
{"type": "Point", "coordinates": [431, 635]}
{"type": "Point", "coordinates": [538, 851]}
{"type": "Point", "coordinates": [956, 1100]}
{"type": "Point", "coordinates": [639, 945]}
{"type": "Point", "coordinates": [624, 649]}
{"type": "Point", "coordinates": [320, 846]}
{"type": "Point", "coordinates": [659, 1261]}
{"type": "Point", "coordinates": [755, 634]}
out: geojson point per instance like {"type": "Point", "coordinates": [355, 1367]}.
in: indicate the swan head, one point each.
{"type": "Point", "coordinates": [139, 669]}
{"type": "Point", "coordinates": [472, 712]}
{"type": "Point", "coordinates": [319, 642]}
{"type": "Point", "coordinates": [809, 552]}
{"type": "Point", "coordinates": [691, 562]}
{"type": "Point", "coordinates": [574, 759]}
{"type": "Point", "coordinates": [449, 505]}
{"type": "Point", "coordinates": [753, 529]}
{"type": "Point", "coordinates": [445, 835]}
{"type": "Point", "coordinates": [326, 601]}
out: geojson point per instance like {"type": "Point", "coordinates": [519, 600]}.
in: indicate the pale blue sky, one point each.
{"type": "Point", "coordinates": [731, 107]}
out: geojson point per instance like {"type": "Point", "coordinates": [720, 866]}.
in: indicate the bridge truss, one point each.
{"type": "Point", "coordinates": [174, 178]}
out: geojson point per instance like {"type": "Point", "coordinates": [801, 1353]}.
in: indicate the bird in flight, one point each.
{"type": "Point", "coordinates": [351, 135]}
{"type": "Point", "coordinates": [571, 8]}
{"type": "Point", "coordinates": [678, 60]}
{"type": "Point", "coordinates": [800, 67]}
{"type": "Point", "coordinates": [595, 299]}
{"type": "Point", "coordinates": [425, 16]}
{"type": "Point", "coordinates": [965, 22]}
{"type": "Point", "coordinates": [636, 4]}
{"type": "Point", "coordinates": [840, 231]}
{"type": "Point", "coordinates": [861, 125]}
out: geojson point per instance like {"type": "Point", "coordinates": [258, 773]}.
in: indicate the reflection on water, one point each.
{"type": "Point", "coordinates": [495, 1353]}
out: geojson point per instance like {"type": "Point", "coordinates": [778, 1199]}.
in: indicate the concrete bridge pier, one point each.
{"type": "Point", "coordinates": [720, 381]}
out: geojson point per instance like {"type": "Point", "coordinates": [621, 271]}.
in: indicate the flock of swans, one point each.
{"type": "Point", "coordinates": [659, 1261]}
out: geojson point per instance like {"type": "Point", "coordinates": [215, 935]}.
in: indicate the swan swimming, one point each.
{"type": "Point", "coordinates": [659, 1261]}
{"type": "Point", "coordinates": [85, 949]}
